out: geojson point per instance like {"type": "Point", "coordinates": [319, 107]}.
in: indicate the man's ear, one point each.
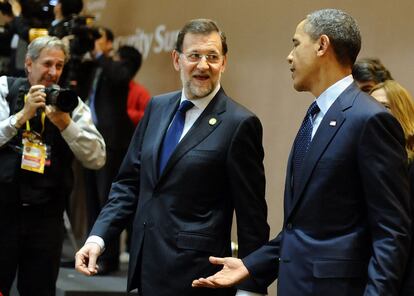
{"type": "Point", "coordinates": [176, 57]}
{"type": "Point", "coordinates": [28, 64]}
{"type": "Point", "coordinates": [323, 45]}
{"type": "Point", "coordinates": [224, 64]}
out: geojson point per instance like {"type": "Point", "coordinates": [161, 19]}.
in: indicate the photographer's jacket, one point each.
{"type": "Point", "coordinates": [79, 139]}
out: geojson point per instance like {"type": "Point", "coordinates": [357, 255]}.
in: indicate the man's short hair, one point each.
{"type": "Point", "coordinates": [46, 42]}
{"type": "Point", "coordinates": [370, 69]}
{"type": "Point", "coordinates": [108, 33]}
{"type": "Point", "coordinates": [70, 7]}
{"type": "Point", "coordinates": [342, 30]}
{"type": "Point", "coordinates": [200, 26]}
{"type": "Point", "coordinates": [132, 56]}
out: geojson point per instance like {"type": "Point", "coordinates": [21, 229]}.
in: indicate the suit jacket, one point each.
{"type": "Point", "coordinates": [185, 214]}
{"type": "Point", "coordinates": [347, 215]}
{"type": "Point", "coordinates": [408, 282]}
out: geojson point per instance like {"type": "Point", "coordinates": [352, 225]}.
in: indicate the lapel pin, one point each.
{"type": "Point", "coordinates": [212, 121]}
{"type": "Point", "coordinates": [332, 123]}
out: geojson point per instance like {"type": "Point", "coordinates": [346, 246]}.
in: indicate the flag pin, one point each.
{"type": "Point", "coordinates": [332, 123]}
{"type": "Point", "coordinates": [212, 121]}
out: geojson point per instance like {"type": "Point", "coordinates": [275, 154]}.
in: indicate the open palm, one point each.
{"type": "Point", "coordinates": [233, 272]}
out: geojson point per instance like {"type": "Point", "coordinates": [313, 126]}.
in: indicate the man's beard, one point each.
{"type": "Point", "coordinates": [195, 91]}
{"type": "Point", "coordinates": [199, 91]}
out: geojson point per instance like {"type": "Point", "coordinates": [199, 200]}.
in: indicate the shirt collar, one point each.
{"type": "Point", "coordinates": [329, 96]}
{"type": "Point", "coordinates": [201, 103]}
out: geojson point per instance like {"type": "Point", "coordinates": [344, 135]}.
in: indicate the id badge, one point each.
{"type": "Point", "coordinates": [34, 153]}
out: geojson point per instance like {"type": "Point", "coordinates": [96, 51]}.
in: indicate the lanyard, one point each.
{"type": "Point", "coordinates": [42, 119]}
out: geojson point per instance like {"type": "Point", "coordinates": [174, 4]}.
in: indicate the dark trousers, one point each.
{"type": "Point", "coordinates": [97, 186]}
{"type": "Point", "coordinates": [30, 245]}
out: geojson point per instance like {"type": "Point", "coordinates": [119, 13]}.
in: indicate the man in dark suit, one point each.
{"type": "Point", "coordinates": [347, 216]}
{"type": "Point", "coordinates": [182, 199]}
{"type": "Point", "coordinates": [105, 82]}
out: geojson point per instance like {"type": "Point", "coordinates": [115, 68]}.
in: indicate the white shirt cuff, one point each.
{"type": "Point", "coordinates": [247, 293]}
{"type": "Point", "coordinates": [96, 240]}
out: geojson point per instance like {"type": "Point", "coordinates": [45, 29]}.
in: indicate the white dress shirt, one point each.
{"type": "Point", "coordinates": [194, 113]}
{"type": "Point", "coordinates": [327, 98]}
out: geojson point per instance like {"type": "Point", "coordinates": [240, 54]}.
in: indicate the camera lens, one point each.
{"type": "Point", "coordinates": [67, 100]}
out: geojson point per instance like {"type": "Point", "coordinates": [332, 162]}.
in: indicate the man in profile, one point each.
{"type": "Point", "coordinates": [347, 213]}
{"type": "Point", "coordinates": [195, 158]}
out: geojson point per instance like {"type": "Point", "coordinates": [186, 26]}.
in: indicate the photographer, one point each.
{"type": "Point", "coordinates": [65, 11]}
{"type": "Point", "coordinates": [28, 16]}
{"type": "Point", "coordinates": [37, 144]}
{"type": "Point", "coordinates": [75, 30]}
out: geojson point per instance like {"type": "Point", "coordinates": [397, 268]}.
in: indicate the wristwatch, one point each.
{"type": "Point", "coordinates": [14, 121]}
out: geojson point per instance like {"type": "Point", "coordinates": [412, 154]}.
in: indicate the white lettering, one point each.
{"type": "Point", "coordinates": [159, 38]}
{"type": "Point", "coordinates": [94, 5]}
{"type": "Point", "coordinates": [164, 40]}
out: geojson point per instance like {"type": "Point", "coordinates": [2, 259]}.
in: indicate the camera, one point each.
{"type": "Point", "coordinates": [64, 99]}
{"type": "Point", "coordinates": [84, 35]}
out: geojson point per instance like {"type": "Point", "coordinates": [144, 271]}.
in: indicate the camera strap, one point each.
{"type": "Point", "coordinates": [42, 119]}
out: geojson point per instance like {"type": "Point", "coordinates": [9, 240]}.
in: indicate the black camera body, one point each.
{"type": "Point", "coordinates": [65, 100]}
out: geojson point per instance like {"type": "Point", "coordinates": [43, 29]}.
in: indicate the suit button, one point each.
{"type": "Point", "coordinates": [144, 224]}
{"type": "Point", "coordinates": [289, 226]}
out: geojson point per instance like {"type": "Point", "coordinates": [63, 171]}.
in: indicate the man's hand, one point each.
{"type": "Point", "coordinates": [233, 272]}
{"type": "Point", "coordinates": [86, 259]}
{"type": "Point", "coordinates": [36, 98]}
{"type": "Point", "coordinates": [60, 119]}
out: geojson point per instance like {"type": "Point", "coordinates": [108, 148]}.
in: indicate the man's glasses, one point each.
{"type": "Point", "coordinates": [211, 58]}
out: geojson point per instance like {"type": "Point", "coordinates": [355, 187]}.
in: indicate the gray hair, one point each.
{"type": "Point", "coordinates": [46, 42]}
{"type": "Point", "coordinates": [342, 30]}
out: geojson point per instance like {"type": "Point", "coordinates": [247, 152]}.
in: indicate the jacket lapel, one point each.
{"type": "Point", "coordinates": [165, 119]}
{"type": "Point", "coordinates": [287, 205]}
{"type": "Point", "coordinates": [208, 121]}
{"type": "Point", "coordinates": [331, 123]}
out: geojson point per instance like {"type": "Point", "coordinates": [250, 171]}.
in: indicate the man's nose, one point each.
{"type": "Point", "coordinates": [289, 58]}
{"type": "Point", "coordinates": [203, 64]}
{"type": "Point", "coordinates": [52, 70]}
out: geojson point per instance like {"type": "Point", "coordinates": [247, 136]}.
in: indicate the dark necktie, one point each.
{"type": "Point", "coordinates": [173, 134]}
{"type": "Point", "coordinates": [303, 138]}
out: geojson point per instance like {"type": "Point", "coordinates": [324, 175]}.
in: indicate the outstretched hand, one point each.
{"type": "Point", "coordinates": [233, 272]}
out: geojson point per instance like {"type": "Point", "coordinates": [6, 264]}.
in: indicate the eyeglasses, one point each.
{"type": "Point", "coordinates": [211, 58]}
